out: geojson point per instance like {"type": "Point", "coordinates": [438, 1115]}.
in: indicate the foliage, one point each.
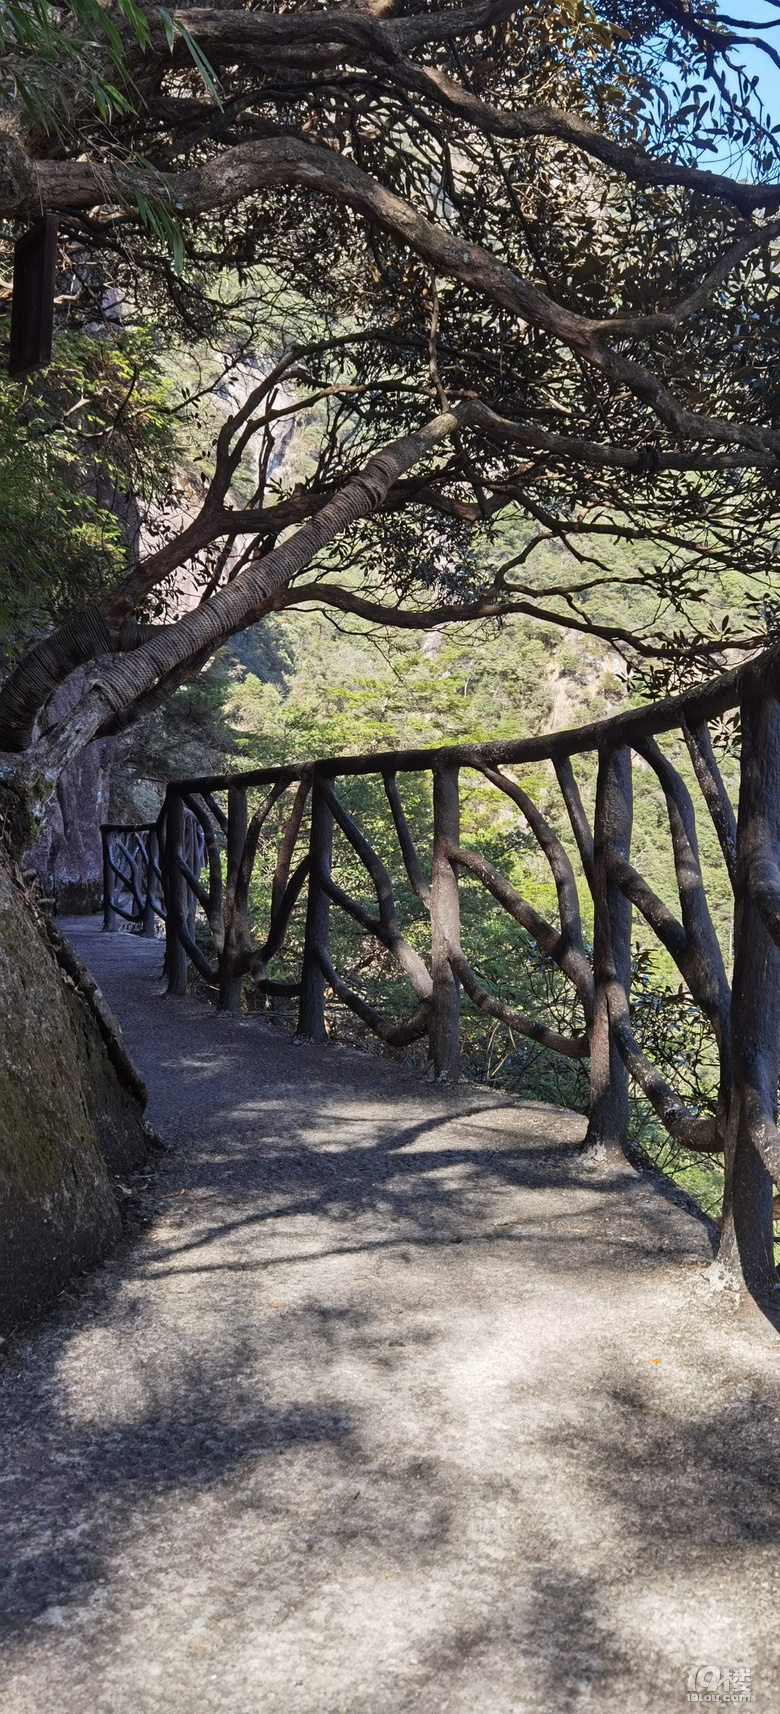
{"type": "Point", "coordinates": [82, 448]}
{"type": "Point", "coordinates": [504, 210]}
{"type": "Point", "coordinates": [676, 1037]}
{"type": "Point", "coordinates": [64, 59]}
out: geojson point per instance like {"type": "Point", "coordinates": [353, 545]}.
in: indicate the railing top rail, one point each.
{"type": "Point", "coordinates": [128, 826]}
{"type": "Point", "coordinates": [705, 702]}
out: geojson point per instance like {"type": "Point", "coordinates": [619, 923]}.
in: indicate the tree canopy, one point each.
{"type": "Point", "coordinates": [515, 268]}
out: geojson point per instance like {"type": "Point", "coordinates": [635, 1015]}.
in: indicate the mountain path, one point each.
{"type": "Point", "coordinates": [386, 1405]}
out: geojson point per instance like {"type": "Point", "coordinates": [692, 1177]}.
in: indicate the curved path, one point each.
{"type": "Point", "coordinates": [386, 1406]}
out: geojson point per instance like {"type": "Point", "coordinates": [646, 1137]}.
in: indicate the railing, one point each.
{"type": "Point", "coordinates": [133, 885]}
{"type": "Point", "coordinates": [132, 878]}
{"type": "Point", "coordinates": [300, 816]}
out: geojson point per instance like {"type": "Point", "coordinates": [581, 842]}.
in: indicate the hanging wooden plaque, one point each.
{"type": "Point", "coordinates": [32, 305]}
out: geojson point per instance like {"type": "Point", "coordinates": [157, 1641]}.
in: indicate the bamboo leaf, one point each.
{"type": "Point", "coordinates": [157, 219]}
{"type": "Point", "coordinates": [136, 20]}
{"type": "Point", "coordinates": [167, 24]}
{"type": "Point", "coordinates": [201, 64]}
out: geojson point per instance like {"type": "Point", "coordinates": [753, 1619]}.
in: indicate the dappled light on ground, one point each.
{"type": "Point", "coordinates": [392, 1406]}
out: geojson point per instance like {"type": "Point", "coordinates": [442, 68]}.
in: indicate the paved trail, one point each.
{"type": "Point", "coordinates": [392, 1408]}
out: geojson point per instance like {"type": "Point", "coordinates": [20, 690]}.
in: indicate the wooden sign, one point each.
{"type": "Point", "coordinates": [32, 305]}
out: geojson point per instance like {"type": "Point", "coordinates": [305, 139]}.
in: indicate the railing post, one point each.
{"type": "Point", "coordinates": [746, 1248]}
{"type": "Point", "coordinates": [110, 917]}
{"type": "Point", "coordinates": [607, 1135]}
{"type": "Point", "coordinates": [311, 1011]}
{"type": "Point", "coordinates": [444, 1031]}
{"type": "Point", "coordinates": [148, 923]}
{"type": "Point", "coordinates": [175, 890]}
{"type": "Point", "coordinates": [230, 985]}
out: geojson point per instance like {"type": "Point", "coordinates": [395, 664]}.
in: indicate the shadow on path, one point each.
{"type": "Point", "coordinates": [392, 1407]}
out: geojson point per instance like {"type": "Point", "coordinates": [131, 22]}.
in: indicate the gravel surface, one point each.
{"type": "Point", "coordinates": [386, 1404]}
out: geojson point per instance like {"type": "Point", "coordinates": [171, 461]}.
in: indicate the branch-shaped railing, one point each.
{"type": "Point", "coordinates": [132, 878]}
{"type": "Point", "coordinates": [297, 818]}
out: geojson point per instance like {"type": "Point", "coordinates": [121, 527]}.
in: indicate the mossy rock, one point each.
{"type": "Point", "coordinates": [67, 1123]}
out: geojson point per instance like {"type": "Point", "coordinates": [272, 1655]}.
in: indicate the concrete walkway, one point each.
{"type": "Point", "coordinates": [390, 1408]}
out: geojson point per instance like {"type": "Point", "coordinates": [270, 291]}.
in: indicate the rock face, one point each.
{"type": "Point", "coordinates": [68, 854]}
{"type": "Point", "coordinates": [68, 1120]}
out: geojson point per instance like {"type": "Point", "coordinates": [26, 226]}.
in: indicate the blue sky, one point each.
{"type": "Point", "coordinates": [756, 62]}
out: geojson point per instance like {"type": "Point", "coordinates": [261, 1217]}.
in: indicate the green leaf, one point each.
{"type": "Point", "coordinates": [157, 220]}
{"type": "Point", "coordinates": [136, 20]}
{"type": "Point", "coordinates": [167, 24]}
{"type": "Point", "coordinates": [201, 63]}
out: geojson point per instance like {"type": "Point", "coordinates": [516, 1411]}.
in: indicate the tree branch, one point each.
{"type": "Point", "coordinates": [243, 170]}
